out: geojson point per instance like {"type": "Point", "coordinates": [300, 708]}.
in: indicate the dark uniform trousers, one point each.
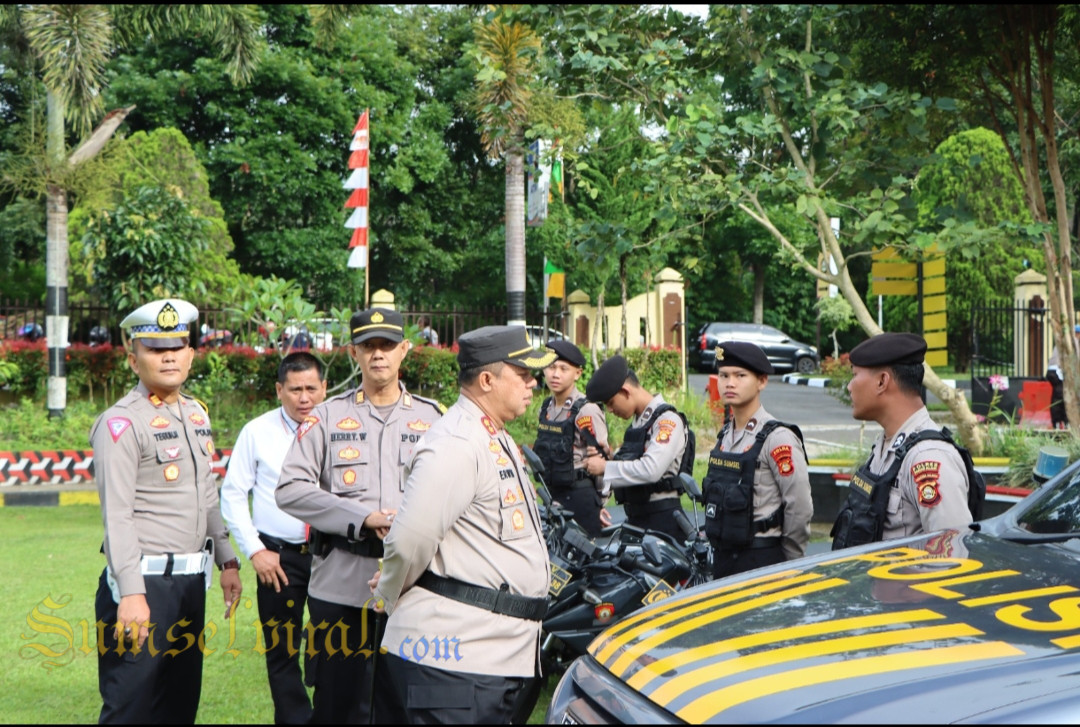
{"type": "Point", "coordinates": [409, 693]}
{"type": "Point", "coordinates": [740, 560]}
{"type": "Point", "coordinates": [163, 681]}
{"type": "Point", "coordinates": [282, 618]}
{"type": "Point", "coordinates": [585, 503]}
{"type": "Point", "coordinates": [657, 515]}
{"type": "Point", "coordinates": [342, 666]}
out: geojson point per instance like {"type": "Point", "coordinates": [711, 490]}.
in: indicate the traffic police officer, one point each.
{"type": "Point", "coordinates": [569, 424]}
{"type": "Point", "coordinates": [153, 453]}
{"type": "Point", "coordinates": [644, 471]}
{"type": "Point", "coordinates": [275, 541]}
{"type": "Point", "coordinates": [757, 490]}
{"type": "Point", "coordinates": [342, 476]}
{"type": "Point", "coordinates": [909, 485]}
{"type": "Point", "coordinates": [465, 575]}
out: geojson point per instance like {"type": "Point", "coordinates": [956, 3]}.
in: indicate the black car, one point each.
{"type": "Point", "coordinates": [980, 625]}
{"type": "Point", "coordinates": [784, 353]}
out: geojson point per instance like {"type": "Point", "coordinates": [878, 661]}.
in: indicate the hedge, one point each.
{"type": "Point", "coordinates": [242, 371]}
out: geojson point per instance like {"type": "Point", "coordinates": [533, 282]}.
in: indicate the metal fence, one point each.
{"type": "Point", "coordinates": [449, 323]}
{"type": "Point", "coordinates": [1010, 340]}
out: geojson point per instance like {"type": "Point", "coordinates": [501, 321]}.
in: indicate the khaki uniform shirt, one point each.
{"type": "Point", "coordinates": [155, 483]}
{"type": "Point", "coordinates": [663, 454]}
{"type": "Point", "coordinates": [469, 513]}
{"type": "Point", "coordinates": [346, 463]}
{"type": "Point", "coordinates": [780, 476]}
{"type": "Point", "coordinates": [931, 489]}
{"type": "Point", "coordinates": [590, 417]}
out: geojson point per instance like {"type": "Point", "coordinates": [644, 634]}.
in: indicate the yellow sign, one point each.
{"type": "Point", "coordinates": [658, 593]}
{"type": "Point", "coordinates": [937, 359]}
{"type": "Point", "coordinates": [934, 322]}
{"type": "Point", "coordinates": [933, 304]}
{"type": "Point", "coordinates": [935, 340]}
{"type": "Point", "coordinates": [934, 268]}
{"type": "Point", "coordinates": [894, 287]}
{"type": "Point", "coordinates": [893, 270]}
{"type": "Point", "coordinates": [933, 286]}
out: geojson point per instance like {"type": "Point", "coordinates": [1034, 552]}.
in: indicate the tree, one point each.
{"type": "Point", "coordinates": [505, 50]}
{"type": "Point", "coordinates": [72, 44]}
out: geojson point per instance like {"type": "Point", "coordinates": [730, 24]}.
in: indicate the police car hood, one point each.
{"type": "Point", "coordinates": [947, 628]}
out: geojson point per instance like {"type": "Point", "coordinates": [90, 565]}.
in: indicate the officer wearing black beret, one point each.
{"type": "Point", "coordinates": [917, 479]}
{"type": "Point", "coordinates": [644, 471]}
{"type": "Point", "coordinates": [757, 490]}
{"type": "Point", "coordinates": [569, 424]}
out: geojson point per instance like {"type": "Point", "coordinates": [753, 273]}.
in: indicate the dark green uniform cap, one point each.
{"type": "Point", "coordinates": [377, 323]}
{"type": "Point", "coordinates": [744, 355]}
{"type": "Point", "coordinates": [509, 344]}
{"type": "Point", "coordinates": [607, 380]}
{"type": "Point", "coordinates": [889, 349]}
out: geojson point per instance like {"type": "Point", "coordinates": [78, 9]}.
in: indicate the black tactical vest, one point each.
{"type": "Point", "coordinates": [862, 520]}
{"type": "Point", "coordinates": [555, 446]}
{"type": "Point", "coordinates": [633, 447]}
{"type": "Point", "coordinates": [728, 490]}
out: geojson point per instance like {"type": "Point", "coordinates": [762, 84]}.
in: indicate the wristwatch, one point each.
{"type": "Point", "coordinates": [234, 563]}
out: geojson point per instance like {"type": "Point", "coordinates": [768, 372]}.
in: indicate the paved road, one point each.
{"type": "Point", "coordinates": [825, 421]}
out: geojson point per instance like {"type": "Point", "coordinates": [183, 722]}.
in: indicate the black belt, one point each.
{"type": "Point", "coordinates": [277, 544]}
{"type": "Point", "coordinates": [500, 601]}
{"type": "Point", "coordinates": [582, 481]}
{"type": "Point", "coordinates": [368, 547]}
{"type": "Point", "coordinates": [651, 507]}
{"type": "Point", "coordinates": [759, 542]}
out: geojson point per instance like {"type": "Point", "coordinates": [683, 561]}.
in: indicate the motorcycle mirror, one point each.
{"type": "Point", "coordinates": [532, 459]}
{"type": "Point", "coordinates": [690, 486]}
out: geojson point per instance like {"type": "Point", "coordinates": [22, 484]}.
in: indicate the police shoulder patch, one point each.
{"type": "Point", "coordinates": [782, 456]}
{"type": "Point", "coordinates": [665, 428]}
{"type": "Point", "coordinates": [585, 422]}
{"type": "Point", "coordinates": [926, 475]}
{"type": "Point", "coordinates": [117, 426]}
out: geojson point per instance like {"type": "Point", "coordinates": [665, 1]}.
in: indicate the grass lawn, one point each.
{"type": "Point", "coordinates": [50, 564]}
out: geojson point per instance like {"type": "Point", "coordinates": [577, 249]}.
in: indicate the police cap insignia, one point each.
{"type": "Point", "coordinates": [508, 344]}
{"type": "Point", "coordinates": [744, 355]}
{"type": "Point", "coordinates": [377, 323]}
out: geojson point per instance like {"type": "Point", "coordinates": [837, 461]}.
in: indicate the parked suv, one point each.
{"type": "Point", "coordinates": [784, 353]}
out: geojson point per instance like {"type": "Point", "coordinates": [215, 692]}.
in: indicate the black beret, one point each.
{"type": "Point", "coordinates": [567, 352]}
{"type": "Point", "coordinates": [377, 323]}
{"type": "Point", "coordinates": [746, 355]}
{"type": "Point", "coordinates": [607, 380]}
{"type": "Point", "coordinates": [889, 349]}
{"type": "Point", "coordinates": [492, 344]}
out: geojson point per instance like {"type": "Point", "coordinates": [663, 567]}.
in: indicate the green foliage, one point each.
{"type": "Point", "coordinates": [431, 372]}
{"type": "Point", "coordinates": [146, 248]}
{"type": "Point", "coordinates": [25, 425]}
{"type": "Point", "coordinates": [162, 158]}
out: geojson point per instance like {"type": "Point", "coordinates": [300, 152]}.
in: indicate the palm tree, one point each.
{"type": "Point", "coordinates": [70, 45]}
{"type": "Point", "coordinates": [506, 51]}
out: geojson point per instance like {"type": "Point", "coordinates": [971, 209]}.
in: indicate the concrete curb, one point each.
{"type": "Point", "coordinates": [822, 383]}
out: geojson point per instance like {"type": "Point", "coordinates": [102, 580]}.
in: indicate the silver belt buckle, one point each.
{"type": "Point", "coordinates": [208, 562]}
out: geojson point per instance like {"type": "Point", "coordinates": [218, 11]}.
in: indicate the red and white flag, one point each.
{"type": "Point", "coordinates": [358, 200]}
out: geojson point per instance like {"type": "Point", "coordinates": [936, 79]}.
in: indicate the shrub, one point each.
{"type": "Point", "coordinates": [840, 373]}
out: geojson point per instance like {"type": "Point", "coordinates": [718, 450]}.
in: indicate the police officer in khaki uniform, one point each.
{"type": "Point", "coordinates": [569, 424]}
{"type": "Point", "coordinates": [904, 488]}
{"type": "Point", "coordinates": [465, 575]}
{"type": "Point", "coordinates": [757, 490]}
{"type": "Point", "coordinates": [644, 471]}
{"type": "Point", "coordinates": [153, 452]}
{"type": "Point", "coordinates": [342, 476]}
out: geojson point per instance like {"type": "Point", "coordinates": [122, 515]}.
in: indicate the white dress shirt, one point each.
{"type": "Point", "coordinates": [256, 463]}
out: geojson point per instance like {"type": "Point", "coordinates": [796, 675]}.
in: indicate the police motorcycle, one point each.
{"type": "Point", "coordinates": [596, 582]}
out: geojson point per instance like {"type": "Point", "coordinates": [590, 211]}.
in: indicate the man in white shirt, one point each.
{"type": "Point", "coordinates": [275, 542]}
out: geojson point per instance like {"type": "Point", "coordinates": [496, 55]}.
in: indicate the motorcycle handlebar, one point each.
{"type": "Point", "coordinates": [684, 524]}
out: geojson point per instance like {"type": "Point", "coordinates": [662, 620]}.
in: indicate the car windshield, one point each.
{"type": "Point", "coordinates": [1057, 512]}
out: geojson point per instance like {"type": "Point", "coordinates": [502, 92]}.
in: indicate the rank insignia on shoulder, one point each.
{"type": "Point", "coordinates": [488, 426]}
{"type": "Point", "coordinates": [306, 425]}
{"type": "Point", "coordinates": [360, 396]}
{"type": "Point", "coordinates": [159, 422]}
{"type": "Point", "coordinates": [156, 400]}
{"type": "Point", "coordinates": [117, 426]}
